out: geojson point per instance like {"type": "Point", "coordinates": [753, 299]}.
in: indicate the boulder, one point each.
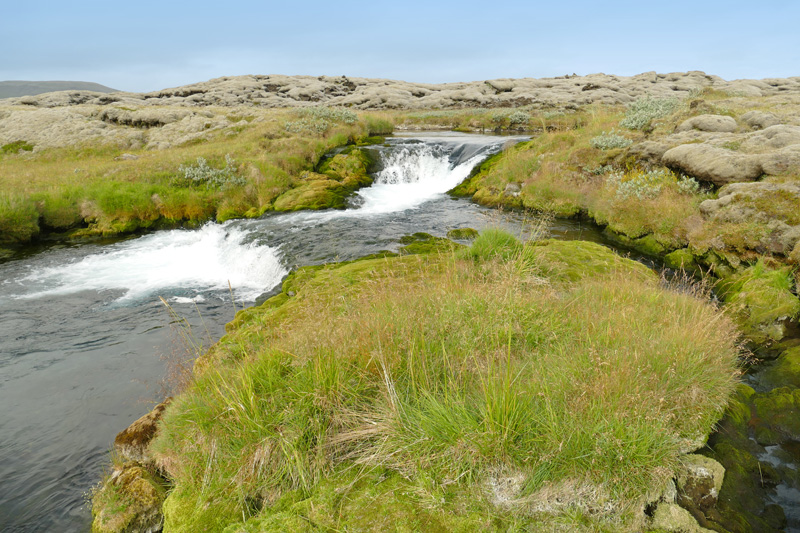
{"type": "Point", "coordinates": [759, 119]}
{"type": "Point", "coordinates": [709, 163]}
{"type": "Point", "coordinates": [772, 138]}
{"type": "Point", "coordinates": [713, 123]}
{"type": "Point", "coordinates": [783, 161]}
{"type": "Point", "coordinates": [699, 482]}
{"type": "Point", "coordinates": [649, 151]}
{"type": "Point", "coordinates": [129, 502]}
{"type": "Point", "coordinates": [785, 371]}
{"type": "Point", "coordinates": [132, 442]}
{"type": "Point", "coordinates": [779, 415]}
{"type": "Point", "coordinates": [675, 519]}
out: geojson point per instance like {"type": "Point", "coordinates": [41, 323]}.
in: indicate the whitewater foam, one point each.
{"type": "Point", "coordinates": [207, 259]}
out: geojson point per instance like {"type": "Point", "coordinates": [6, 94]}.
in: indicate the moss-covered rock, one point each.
{"type": "Point", "coordinates": [462, 234]}
{"type": "Point", "coordinates": [762, 300]}
{"type": "Point", "coordinates": [129, 502]}
{"type": "Point", "coordinates": [574, 260]}
{"type": "Point", "coordinates": [674, 519]}
{"type": "Point", "coordinates": [682, 259]}
{"type": "Point", "coordinates": [779, 415]}
{"type": "Point", "coordinates": [131, 443]}
{"type": "Point", "coordinates": [785, 371]}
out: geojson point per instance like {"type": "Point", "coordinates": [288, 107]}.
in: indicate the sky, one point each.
{"type": "Point", "coordinates": [149, 45]}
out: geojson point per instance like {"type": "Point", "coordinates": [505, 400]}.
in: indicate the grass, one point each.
{"type": "Point", "coordinates": [497, 387]}
{"type": "Point", "coordinates": [244, 169]}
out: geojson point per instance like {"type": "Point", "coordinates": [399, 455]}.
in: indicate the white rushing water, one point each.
{"type": "Point", "coordinates": [207, 259]}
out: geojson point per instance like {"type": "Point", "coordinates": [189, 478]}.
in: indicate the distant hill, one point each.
{"type": "Point", "coordinates": [13, 89]}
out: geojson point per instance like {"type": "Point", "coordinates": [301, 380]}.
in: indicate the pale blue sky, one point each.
{"type": "Point", "coordinates": [148, 45]}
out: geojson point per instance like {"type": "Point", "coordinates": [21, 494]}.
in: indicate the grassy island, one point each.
{"type": "Point", "coordinates": [504, 386]}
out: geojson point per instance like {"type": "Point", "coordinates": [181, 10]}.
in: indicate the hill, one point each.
{"type": "Point", "coordinates": [17, 88]}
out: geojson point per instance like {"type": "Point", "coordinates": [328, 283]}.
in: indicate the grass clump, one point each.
{"type": "Point", "coordinates": [644, 110]}
{"type": "Point", "coordinates": [438, 393]}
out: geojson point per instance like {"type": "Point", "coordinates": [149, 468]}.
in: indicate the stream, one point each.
{"type": "Point", "coordinates": [86, 338]}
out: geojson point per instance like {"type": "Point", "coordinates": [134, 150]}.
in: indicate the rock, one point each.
{"type": "Point", "coordinates": [512, 189]}
{"type": "Point", "coordinates": [462, 234]}
{"type": "Point", "coordinates": [713, 123]}
{"type": "Point", "coordinates": [779, 415]}
{"type": "Point", "coordinates": [772, 138]}
{"type": "Point", "coordinates": [771, 208]}
{"type": "Point", "coordinates": [127, 157]}
{"type": "Point", "coordinates": [675, 519]}
{"type": "Point", "coordinates": [132, 442]}
{"type": "Point", "coordinates": [700, 481]}
{"type": "Point", "coordinates": [785, 371]}
{"type": "Point", "coordinates": [713, 164]}
{"type": "Point", "coordinates": [649, 150]}
{"type": "Point", "coordinates": [759, 119]}
{"type": "Point", "coordinates": [783, 161]}
{"type": "Point", "coordinates": [129, 502]}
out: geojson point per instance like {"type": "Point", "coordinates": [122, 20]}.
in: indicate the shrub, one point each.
{"type": "Point", "coordinates": [609, 141]}
{"type": "Point", "coordinates": [644, 110]}
{"type": "Point", "coordinates": [201, 174]}
{"type": "Point", "coordinates": [640, 184]}
{"type": "Point", "coordinates": [518, 117]}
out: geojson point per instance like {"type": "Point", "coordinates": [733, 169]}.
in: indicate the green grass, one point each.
{"type": "Point", "coordinates": [249, 168]}
{"type": "Point", "coordinates": [505, 386]}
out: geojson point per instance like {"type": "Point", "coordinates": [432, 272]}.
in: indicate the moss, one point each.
{"type": "Point", "coordinates": [779, 413]}
{"type": "Point", "coordinates": [318, 194]}
{"type": "Point", "coordinates": [762, 300]}
{"type": "Point", "coordinates": [647, 244]}
{"type": "Point", "coordinates": [785, 371]}
{"type": "Point", "coordinates": [16, 147]}
{"type": "Point", "coordinates": [575, 260]}
{"type": "Point", "coordinates": [462, 234]}
{"type": "Point", "coordinates": [682, 259]}
{"type": "Point", "coordinates": [129, 501]}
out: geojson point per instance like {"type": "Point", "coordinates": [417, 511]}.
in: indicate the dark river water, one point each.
{"type": "Point", "coordinates": [84, 335]}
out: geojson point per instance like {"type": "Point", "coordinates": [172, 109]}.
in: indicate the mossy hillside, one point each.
{"type": "Point", "coordinates": [496, 387]}
{"type": "Point", "coordinates": [106, 189]}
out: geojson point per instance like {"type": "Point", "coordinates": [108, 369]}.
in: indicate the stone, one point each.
{"type": "Point", "coordinates": [713, 123]}
{"type": "Point", "coordinates": [132, 442]}
{"type": "Point", "coordinates": [649, 150]}
{"type": "Point", "coordinates": [783, 161]}
{"type": "Point", "coordinates": [779, 415]}
{"type": "Point", "coordinates": [759, 119]}
{"type": "Point", "coordinates": [785, 371]}
{"type": "Point", "coordinates": [675, 519]}
{"type": "Point", "coordinates": [717, 165]}
{"type": "Point", "coordinates": [129, 502]}
{"type": "Point", "coordinates": [700, 481]}
{"type": "Point", "coordinates": [772, 138]}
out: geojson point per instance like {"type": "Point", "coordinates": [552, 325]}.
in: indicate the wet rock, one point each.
{"type": "Point", "coordinates": [759, 119]}
{"type": "Point", "coordinates": [132, 442]}
{"type": "Point", "coordinates": [713, 123]}
{"type": "Point", "coordinates": [673, 518]}
{"type": "Point", "coordinates": [699, 481]}
{"type": "Point", "coordinates": [709, 163]}
{"type": "Point", "coordinates": [129, 502]}
{"type": "Point", "coordinates": [779, 415]}
{"type": "Point", "coordinates": [785, 371]}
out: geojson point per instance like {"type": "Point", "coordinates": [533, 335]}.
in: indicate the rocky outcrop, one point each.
{"type": "Point", "coordinates": [759, 119]}
{"type": "Point", "coordinates": [366, 93]}
{"type": "Point", "coordinates": [713, 164]}
{"type": "Point", "coordinates": [132, 442]}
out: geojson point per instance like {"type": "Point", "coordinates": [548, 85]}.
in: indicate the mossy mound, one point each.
{"type": "Point", "coordinates": [785, 371]}
{"type": "Point", "coordinates": [433, 392]}
{"type": "Point", "coordinates": [128, 502]}
{"type": "Point", "coordinates": [328, 188]}
{"type": "Point", "coordinates": [462, 234]}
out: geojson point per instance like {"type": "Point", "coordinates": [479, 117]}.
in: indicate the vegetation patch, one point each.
{"type": "Point", "coordinates": [643, 111]}
{"type": "Point", "coordinates": [503, 386]}
{"type": "Point", "coordinates": [16, 147]}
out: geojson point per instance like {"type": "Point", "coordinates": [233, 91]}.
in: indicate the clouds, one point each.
{"type": "Point", "coordinates": [151, 45]}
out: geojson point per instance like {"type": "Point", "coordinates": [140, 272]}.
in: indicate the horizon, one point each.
{"type": "Point", "coordinates": [415, 42]}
